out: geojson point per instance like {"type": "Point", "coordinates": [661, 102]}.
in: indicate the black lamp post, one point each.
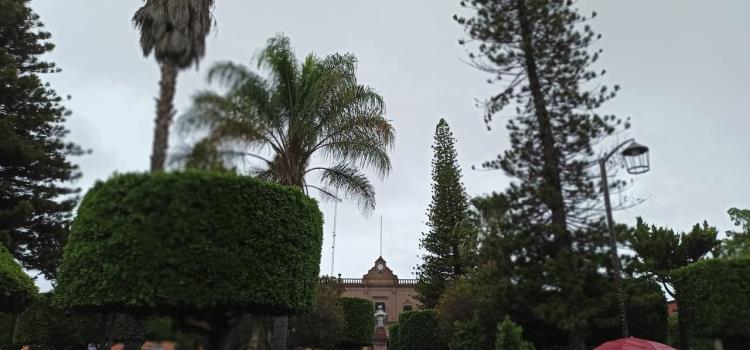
{"type": "Point", "coordinates": [636, 162]}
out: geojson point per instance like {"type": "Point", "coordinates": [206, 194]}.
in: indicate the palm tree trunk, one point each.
{"type": "Point", "coordinates": [164, 114]}
{"type": "Point", "coordinates": [280, 332]}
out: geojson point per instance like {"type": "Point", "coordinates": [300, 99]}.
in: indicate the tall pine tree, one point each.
{"type": "Point", "coordinates": [448, 220]}
{"type": "Point", "coordinates": [539, 52]}
{"type": "Point", "coordinates": [35, 200]}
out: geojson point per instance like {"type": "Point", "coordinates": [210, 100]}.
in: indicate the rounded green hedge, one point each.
{"type": "Point", "coordinates": [192, 241]}
{"type": "Point", "coordinates": [359, 318]}
{"type": "Point", "coordinates": [16, 287]}
{"type": "Point", "coordinates": [420, 330]}
{"type": "Point", "coordinates": [713, 297]}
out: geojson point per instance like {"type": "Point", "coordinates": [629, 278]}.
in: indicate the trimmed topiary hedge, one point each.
{"type": "Point", "coordinates": [359, 318]}
{"type": "Point", "coordinates": [190, 242]}
{"type": "Point", "coordinates": [713, 297]}
{"type": "Point", "coordinates": [16, 287]}
{"type": "Point", "coordinates": [420, 330]}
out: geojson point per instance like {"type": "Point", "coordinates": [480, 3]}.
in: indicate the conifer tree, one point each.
{"type": "Point", "coordinates": [448, 220]}
{"type": "Point", "coordinates": [538, 51]}
{"type": "Point", "coordinates": [35, 196]}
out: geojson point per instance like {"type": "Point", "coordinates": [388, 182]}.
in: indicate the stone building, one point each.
{"type": "Point", "coordinates": [385, 289]}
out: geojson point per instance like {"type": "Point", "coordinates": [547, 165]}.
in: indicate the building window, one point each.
{"type": "Point", "coordinates": [407, 307]}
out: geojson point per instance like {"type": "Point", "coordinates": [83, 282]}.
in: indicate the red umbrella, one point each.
{"type": "Point", "coordinates": [633, 344]}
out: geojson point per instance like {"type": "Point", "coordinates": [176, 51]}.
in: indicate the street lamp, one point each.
{"type": "Point", "coordinates": [636, 162]}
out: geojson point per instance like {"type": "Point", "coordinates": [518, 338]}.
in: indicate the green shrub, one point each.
{"type": "Point", "coordinates": [510, 337]}
{"type": "Point", "coordinates": [402, 317]}
{"type": "Point", "coordinates": [192, 242]}
{"type": "Point", "coordinates": [714, 296]}
{"type": "Point", "coordinates": [359, 318]}
{"type": "Point", "coordinates": [467, 335]}
{"type": "Point", "coordinates": [420, 330]}
{"type": "Point", "coordinates": [393, 343]}
{"type": "Point", "coordinates": [323, 327]}
{"type": "Point", "coordinates": [16, 287]}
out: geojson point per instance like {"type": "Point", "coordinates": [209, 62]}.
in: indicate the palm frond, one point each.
{"type": "Point", "coordinates": [352, 183]}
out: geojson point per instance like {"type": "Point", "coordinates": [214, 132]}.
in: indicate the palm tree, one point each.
{"type": "Point", "coordinates": [175, 31]}
{"type": "Point", "coordinates": [304, 118]}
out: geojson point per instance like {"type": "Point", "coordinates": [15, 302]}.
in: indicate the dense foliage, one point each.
{"type": "Point", "coordinates": [16, 288]}
{"type": "Point", "coordinates": [420, 330]}
{"type": "Point", "coordinates": [44, 325]}
{"type": "Point", "coordinates": [359, 323]}
{"type": "Point", "coordinates": [175, 32]}
{"type": "Point", "coordinates": [304, 118]}
{"type": "Point", "coordinates": [468, 335]}
{"type": "Point", "coordinates": [448, 220]}
{"type": "Point", "coordinates": [209, 241]}
{"type": "Point", "coordinates": [737, 243]}
{"type": "Point", "coordinates": [551, 245]}
{"type": "Point", "coordinates": [7, 327]}
{"type": "Point", "coordinates": [393, 343]}
{"type": "Point", "coordinates": [510, 337]}
{"type": "Point", "coordinates": [713, 299]}
{"type": "Point", "coordinates": [35, 198]}
{"type": "Point", "coordinates": [324, 326]}
{"type": "Point", "coordinates": [660, 250]}
{"type": "Point", "coordinates": [646, 309]}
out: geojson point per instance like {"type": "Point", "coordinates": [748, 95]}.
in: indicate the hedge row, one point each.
{"type": "Point", "coordinates": [16, 288]}
{"type": "Point", "coordinates": [714, 296]}
{"type": "Point", "coordinates": [192, 241]}
{"type": "Point", "coordinates": [359, 318]}
{"type": "Point", "coordinates": [420, 330]}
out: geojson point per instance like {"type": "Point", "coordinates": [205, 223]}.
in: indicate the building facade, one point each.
{"type": "Point", "coordinates": [385, 289]}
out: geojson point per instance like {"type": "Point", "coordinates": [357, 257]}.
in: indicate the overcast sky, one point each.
{"type": "Point", "coordinates": [682, 65]}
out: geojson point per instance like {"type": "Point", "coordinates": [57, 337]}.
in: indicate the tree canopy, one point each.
{"type": "Point", "coordinates": [303, 118]}
{"type": "Point", "coordinates": [36, 198]}
{"type": "Point", "coordinates": [548, 258]}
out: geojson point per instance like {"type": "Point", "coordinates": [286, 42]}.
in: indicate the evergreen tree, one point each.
{"type": "Point", "coordinates": [35, 200]}
{"type": "Point", "coordinates": [448, 220]}
{"type": "Point", "coordinates": [539, 52]}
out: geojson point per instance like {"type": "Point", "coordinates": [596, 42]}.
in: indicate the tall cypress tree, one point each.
{"type": "Point", "coordinates": [35, 202]}
{"type": "Point", "coordinates": [539, 52]}
{"type": "Point", "coordinates": [448, 220]}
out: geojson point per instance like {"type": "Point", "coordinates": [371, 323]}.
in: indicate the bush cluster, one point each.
{"type": "Point", "coordinates": [192, 241]}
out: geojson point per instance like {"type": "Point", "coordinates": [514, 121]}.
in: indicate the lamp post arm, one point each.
{"type": "Point", "coordinates": [612, 152]}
